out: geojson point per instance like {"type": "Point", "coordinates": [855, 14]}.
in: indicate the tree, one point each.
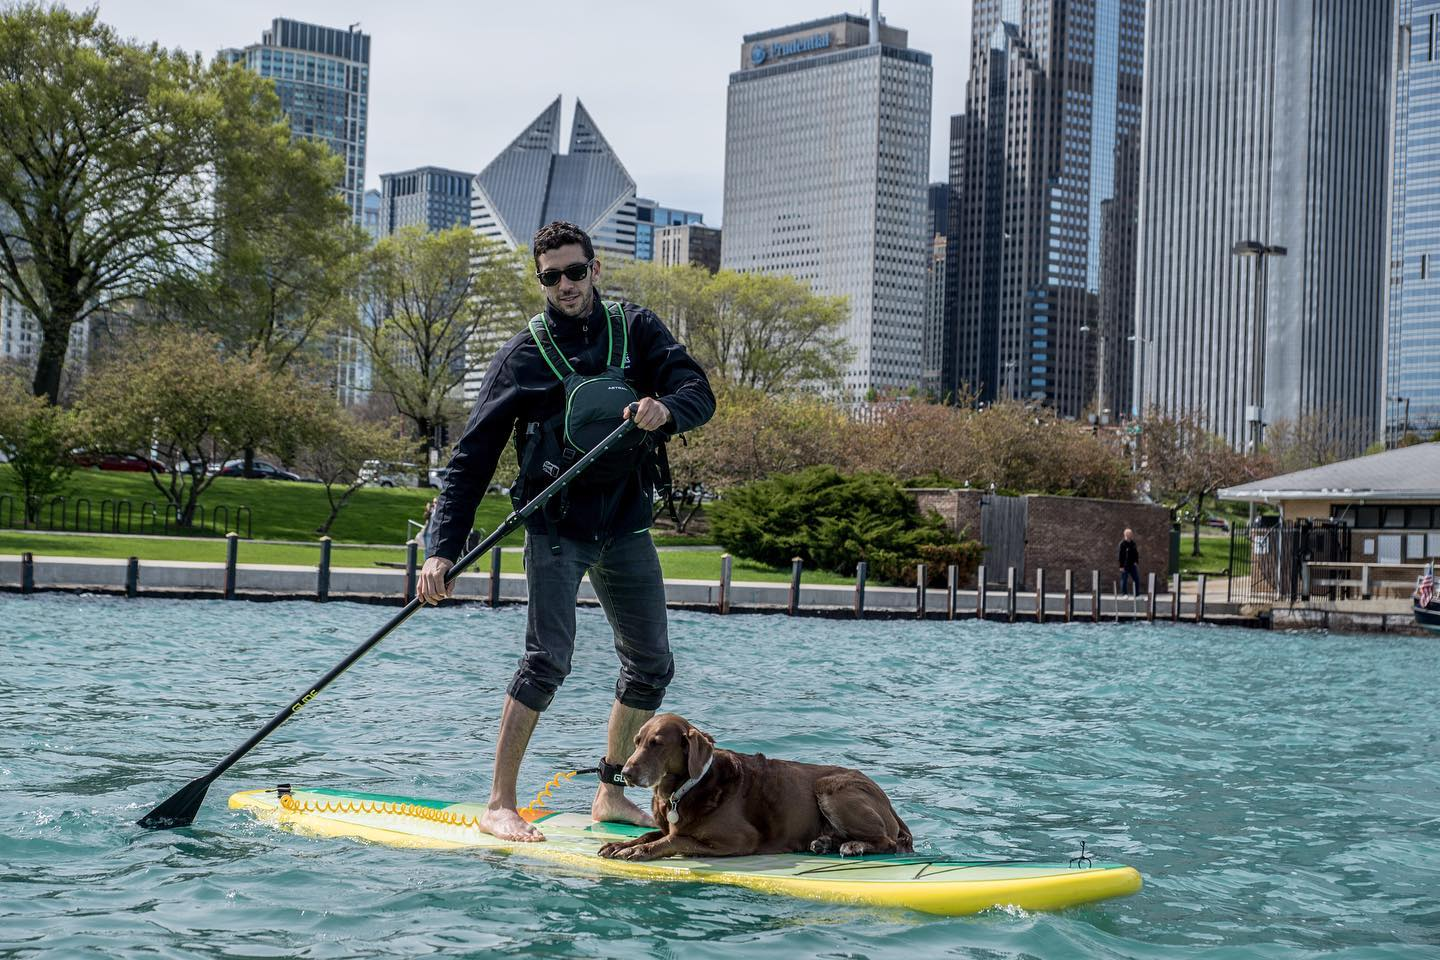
{"type": "Point", "coordinates": [1313, 440]}
{"type": "Point", "coordinates": [177, 393]}
{"type": "Point", "coordinates": [335, 445]}
{"type": "Point", "coordinates": [431, 300]}
{"type": "Point", "coordinates": [37, 437]}
{"type": "Point", "coordinates": [286, 253]}
{"type": "Point", "coordinates": [753, 330]}
{"type": "Point", "coordinates": [1185, 463]}
{"type": "Point", "coordinates": [106, 151]}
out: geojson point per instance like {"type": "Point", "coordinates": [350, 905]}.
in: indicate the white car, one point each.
{"type": "Point", "coordinates": [383, 474]}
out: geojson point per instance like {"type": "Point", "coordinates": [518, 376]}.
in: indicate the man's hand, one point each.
{"type": "Point", "coordinates": [430, 586]}
{"type": "Point", "coordinates": [652, 414]}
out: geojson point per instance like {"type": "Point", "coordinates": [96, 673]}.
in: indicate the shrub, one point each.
{"type": "Point", "coordinates": [831, 521]}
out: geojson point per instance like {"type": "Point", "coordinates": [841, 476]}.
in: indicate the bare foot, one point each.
{"type": "Point", "coordinates": [506, 824]}
{"type": "Point", "coordinates": [611, 806]}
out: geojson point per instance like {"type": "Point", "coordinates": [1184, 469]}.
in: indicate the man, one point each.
{"type": "Point", "coordinates": [1129, 563]}
{"type": "Point", "coordinates": [600, 527]}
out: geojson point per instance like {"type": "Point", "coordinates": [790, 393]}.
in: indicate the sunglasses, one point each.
{"type": "Point", "coordinates": [574, 273]}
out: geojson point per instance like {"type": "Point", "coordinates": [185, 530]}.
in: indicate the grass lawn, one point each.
{"type": "Point", "coordinates": [1214, 553]}
{"type": "Point", "coordinates": [676, 564]}
{"type": "Point", "coordinates": [280, 510]}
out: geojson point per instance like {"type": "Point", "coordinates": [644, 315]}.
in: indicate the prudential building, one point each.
{"type": "Point", "coordinates": [826, 167]}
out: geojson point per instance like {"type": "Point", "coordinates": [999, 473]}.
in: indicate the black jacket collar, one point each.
{"type": "Point", "coordinates": [563, 326]}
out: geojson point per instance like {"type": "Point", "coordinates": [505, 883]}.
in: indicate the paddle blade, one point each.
{"type": "Point", "coordinates": [179, 810]}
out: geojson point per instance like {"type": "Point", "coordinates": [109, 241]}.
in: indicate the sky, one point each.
{"type": "Point", "coordinates": [453, 82]}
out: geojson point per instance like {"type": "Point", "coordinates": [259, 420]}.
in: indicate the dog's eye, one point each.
{"type": "Point", "coordinates": [655, 742]}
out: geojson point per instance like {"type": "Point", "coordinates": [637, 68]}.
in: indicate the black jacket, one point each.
{"type": "Point", "coordinates": [519, 388]}
{"type": "Point", "coordinates": [1129, 553]}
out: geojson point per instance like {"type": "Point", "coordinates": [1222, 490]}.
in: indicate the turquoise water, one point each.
{"type": "Point", "coordinates": [1279, 792]}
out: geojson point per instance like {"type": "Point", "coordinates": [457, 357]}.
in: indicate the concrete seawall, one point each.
{"type": "Point", "coordinates": [387, 585]}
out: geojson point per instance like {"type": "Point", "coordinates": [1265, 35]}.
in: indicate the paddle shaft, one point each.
{"type": "Point", "coordinates": [514, 520]}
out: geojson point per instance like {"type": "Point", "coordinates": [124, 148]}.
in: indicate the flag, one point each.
{"type": "Point", "coordinates": [1426, 590]}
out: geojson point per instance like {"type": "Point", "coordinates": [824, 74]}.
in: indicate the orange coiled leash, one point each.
{"type": "Point", "coordinates": [388, 808]}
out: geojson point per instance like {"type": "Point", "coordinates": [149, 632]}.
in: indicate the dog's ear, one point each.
{"type": "Point", "coordinates": [699, 748]}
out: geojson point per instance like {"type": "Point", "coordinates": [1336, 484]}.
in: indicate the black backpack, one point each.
{"type": "Point", "coordinates": [593, 405]}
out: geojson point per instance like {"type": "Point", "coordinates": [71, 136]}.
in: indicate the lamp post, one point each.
{"type": "Point", "coordinates": [1136, 339]}
{"type": "Point", "coordinates": [1405, 426]}
{"type": "Point", "coordinates": [1099, 332]}
{"type": "Point", "coordinates": [1255, 414]}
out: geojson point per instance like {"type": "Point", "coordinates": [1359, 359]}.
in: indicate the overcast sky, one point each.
{"type": "Point", "coordinates": [451, 83]}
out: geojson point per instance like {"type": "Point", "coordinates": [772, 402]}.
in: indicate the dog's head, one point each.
{"type": "Point", "coordinates": [667, 745]}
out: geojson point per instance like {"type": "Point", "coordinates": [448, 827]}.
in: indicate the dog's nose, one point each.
{"type": "Point", "coordinates": [629, 774]}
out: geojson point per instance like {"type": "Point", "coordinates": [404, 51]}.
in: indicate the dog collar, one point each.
{"type": "Point", "coordinates": [671, 815]}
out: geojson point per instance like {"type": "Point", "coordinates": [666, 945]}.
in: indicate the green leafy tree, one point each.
{"type": "Point", "coordinates": [433, 300]}
{"type": "Point", "coordinates": [37, 438]}
{"type": "Point", "coordinates": [286, 253]}
{"type": "Point", "coordinates": [752, 330]}
{"type": "Point", "coordinates": [107, 152]}
{"type": "Point", "coordinates": [176, 392]}
{"type": "Point", "coordinates": [833, 521]}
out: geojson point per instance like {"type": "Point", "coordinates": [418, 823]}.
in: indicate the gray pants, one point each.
{"type": "Point", "coordinates": [625, 572]}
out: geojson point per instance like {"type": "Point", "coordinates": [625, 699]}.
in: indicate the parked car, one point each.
{"type": "Point", "coordinates": [1219, 522]}
{"type": "Point", "coordinates": [385, 474]}
{"type": "Point", "coordinates": [260, 470]}
{"type": "Point", "coordinates": [125, 462]}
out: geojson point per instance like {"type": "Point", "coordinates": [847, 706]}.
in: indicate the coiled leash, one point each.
{"type": "Point", "coordinates": [607, 773]}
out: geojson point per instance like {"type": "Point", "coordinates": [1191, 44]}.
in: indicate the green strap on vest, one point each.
{"type": "Point", "coordinates": [555, 358]}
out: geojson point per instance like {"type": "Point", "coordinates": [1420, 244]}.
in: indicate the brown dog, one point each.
{"type": "Point", "coordinates": [720, 803]}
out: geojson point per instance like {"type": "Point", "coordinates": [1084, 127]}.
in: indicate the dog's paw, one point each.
{"type": "Point", "coordinates": [822, 845]}
{"type": "Point", "coordinates": [641, 852]}
{"type": "Point", "coordinates": [853, 848]}
{"type": "Point", "coordinates": [611, 850]}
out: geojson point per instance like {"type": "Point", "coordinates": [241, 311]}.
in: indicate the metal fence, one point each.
{"type": "Point", "coordinates": [1267, 564]}
{"type": "Point", "coordinates": [83, 515]}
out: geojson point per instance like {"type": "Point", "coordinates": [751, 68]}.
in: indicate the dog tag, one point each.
{"type": "Point", "coordinates": [672, 816]}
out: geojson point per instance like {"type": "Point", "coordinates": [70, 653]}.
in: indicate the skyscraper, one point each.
{"type": "Point", "coordinates": [685, 244]}
{"type": "Point", "coordinates": [649, 217]}
{"type": "Point", "coordinates": [322, 76]}
{"type": "Point", "coordinates": [1043, 177]}
{"type": "Point", "coordinates": [532, 183]}
{"type": "Point", "coordinates": [371, 213]}
{"type": "Point", "coordinates": [827, 146]}
{"type": "Point", "coordinates": [1265, 125]}
{"type": "Point", "coordinates": [1412, 348]}
{"type": "Point", "coordinates": [430, 197]}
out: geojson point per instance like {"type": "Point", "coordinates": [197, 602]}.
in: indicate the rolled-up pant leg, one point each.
{"type": "Point", "coordinates": [631, 590]}
{"type": "Point", "coordinates": [553, 580]}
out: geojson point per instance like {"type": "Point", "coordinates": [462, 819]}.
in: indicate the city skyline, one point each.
{"type": "Point", "coordinates": [451, 112]}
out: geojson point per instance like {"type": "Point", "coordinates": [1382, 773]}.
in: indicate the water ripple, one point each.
{"type": "Point", "coordinates": [1277, 790]}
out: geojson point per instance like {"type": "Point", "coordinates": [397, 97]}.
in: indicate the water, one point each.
{"type": "Point", "coordinates": [1277, 791]}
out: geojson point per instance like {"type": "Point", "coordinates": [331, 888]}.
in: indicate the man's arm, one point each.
{"type": "Point", "coordinates": [676, 378]}
{"type": "Point", "coordinates": [470, 469]}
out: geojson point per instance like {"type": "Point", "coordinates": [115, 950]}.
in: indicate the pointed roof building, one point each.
{"type": "Point", "coordinates": [532, 183]}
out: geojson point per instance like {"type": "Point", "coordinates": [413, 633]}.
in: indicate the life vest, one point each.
{"type": "Point", "coordinates": [593, 409]}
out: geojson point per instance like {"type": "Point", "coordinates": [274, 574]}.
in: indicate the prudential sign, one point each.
{"type": "Point", "coordinates": [760, 53]}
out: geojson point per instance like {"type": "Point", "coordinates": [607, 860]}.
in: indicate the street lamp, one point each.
{"type": "Point", "coordinates": [1405, 428]}
{"type": "Point", "coordinates": [1255, 414]}
{"type": "Point", "coordinates": [1136, 339]}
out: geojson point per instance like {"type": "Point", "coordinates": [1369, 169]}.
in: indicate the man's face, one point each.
{"type": "Point", "coordinates": [572, 298]}
{"type": "Point", "coordinates": [1129, 535]}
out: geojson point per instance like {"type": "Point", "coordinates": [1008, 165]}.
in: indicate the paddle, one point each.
{"type": "Point", "coordinates": [180, 809]}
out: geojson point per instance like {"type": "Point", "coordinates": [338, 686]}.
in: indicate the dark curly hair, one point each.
{"type": "Point", "coordinates": [560, 233]}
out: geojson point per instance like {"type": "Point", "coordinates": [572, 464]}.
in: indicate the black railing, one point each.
{"type": "Point", "coordinates": [1268, 562]}
{"type": "Point", "coordinates": [80, 515]}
